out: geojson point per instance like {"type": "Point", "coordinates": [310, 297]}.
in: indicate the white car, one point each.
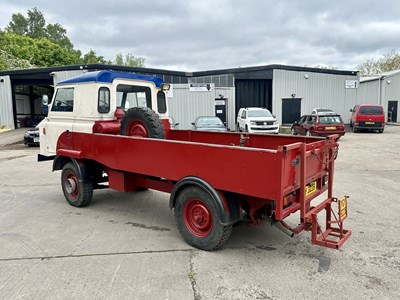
{"type": "Point", "coordinates": [323, 111]}
{"type": "Point", "coordinates": [256, 119]}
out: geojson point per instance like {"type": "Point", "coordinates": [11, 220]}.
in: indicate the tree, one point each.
{"type": "Point", "coordinates": [34, 26]}
{"type": "Point", "coordinates": [390, 61]}
{"type": "Point", "coordinates": [38, 52]}
{"type": "Point", "coordinates": [92, 58]}
{"type": "Point", "coordinates": [129, 60]}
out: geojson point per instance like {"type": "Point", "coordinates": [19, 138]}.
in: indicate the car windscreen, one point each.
{"type": "Point", "coordinates": [204, 122]}
{"type": "Point", "coordinates": [371, 110]}
{"type": "Point", "coordinates": [259, 113]}
{"type": "Point", "coordinates": [330, 120]}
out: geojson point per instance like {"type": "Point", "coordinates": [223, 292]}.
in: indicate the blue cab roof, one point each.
{"type": "Point", "coordinates": [108, 76]}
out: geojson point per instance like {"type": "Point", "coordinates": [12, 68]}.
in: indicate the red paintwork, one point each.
{"type": "Point", "coordinates": [111, 127]}
{"type": "Point", "coordinates": [197, 218]}
{"type": "Point", "coordinates": [261, 173]}
{"type": "Point", "coordinates": [136, 128]}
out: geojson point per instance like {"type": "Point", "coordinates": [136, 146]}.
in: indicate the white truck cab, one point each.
{"type": "Point", "coordinates": [81, 101]}
{"type": "Point", "coordinates": [256, 120]}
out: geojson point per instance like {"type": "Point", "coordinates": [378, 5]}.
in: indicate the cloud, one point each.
{"type": "Point", "coordinates": [206, 35]}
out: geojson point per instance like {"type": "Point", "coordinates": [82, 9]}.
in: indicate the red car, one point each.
{"type": "Point", "coordinates": [368, 116]}
{"type": "Point", "coordinates": [319, 125]}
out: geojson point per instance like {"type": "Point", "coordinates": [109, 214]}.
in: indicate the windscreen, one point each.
{"type": "Point", "coordinates": [204, 122]}
{"type": "Point", "coordinates": [259, 113]}
{"type": "Point", "coordinates": [371, 110]}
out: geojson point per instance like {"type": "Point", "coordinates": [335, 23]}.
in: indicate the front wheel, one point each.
{"type": "Point", "coordinates": [380, 130]}
{"type": "Point", "coordinates": [77, 192]}
{"type": "Point", "coordinates": [355, 129]}
{"type": "Point", "coordinates": [197, 219]}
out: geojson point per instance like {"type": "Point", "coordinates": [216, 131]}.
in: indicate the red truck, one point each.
{"type": "Point", "coordinates": [215, 179]}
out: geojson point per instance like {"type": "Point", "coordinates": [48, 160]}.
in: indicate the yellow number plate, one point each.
{"type": "Point", "coordinates": [369, 123]}
{"type": "Point", "coordinates": [343, 208]}
{"type": "Point", "coordinates": [311, 188]}
{"type": "Point", "coordinates": [330, 128]}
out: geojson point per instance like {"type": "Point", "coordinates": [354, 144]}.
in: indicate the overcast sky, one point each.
{"type": "Point", "coordinates": [208, 35]}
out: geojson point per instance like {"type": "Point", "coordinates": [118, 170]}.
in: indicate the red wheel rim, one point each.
{"type": "Point", "coordinates": [71, 185]}
{"type": "Point", "coordinates": [197, 218]}
{"type": "Point", "coordinates": [137, 128]}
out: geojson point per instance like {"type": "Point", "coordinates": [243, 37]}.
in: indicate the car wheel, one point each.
{"type": "Point", "coordinates": [246, 129]}
{"type": "Point", "coordinates": [197, 219]}
{"type": "Point", "coordinates": [293, 132]}
{"type": "Point", "coordinates": [355, 129]}
{"type": "Point", "coordinates": [380, 130]}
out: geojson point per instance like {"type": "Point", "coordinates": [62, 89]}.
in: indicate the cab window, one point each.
{"type": "Point", "coordinates": [103, 104]}
{"type": "Point", "coordinates": [161, 102]}
{"type": "Point", "coordinates": [129, 96]}
{"type": "Point", "coordinates": [64, 100]}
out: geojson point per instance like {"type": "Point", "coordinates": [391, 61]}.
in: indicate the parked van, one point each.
{"type": "Point", "coordinates": [368, 117]}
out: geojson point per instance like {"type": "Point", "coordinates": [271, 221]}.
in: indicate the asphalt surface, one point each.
{"type": "Point", "coordinates": [126, 246]}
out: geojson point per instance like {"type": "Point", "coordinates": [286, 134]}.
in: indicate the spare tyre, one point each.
{"type": "Point", "coordinates": [142, 121]}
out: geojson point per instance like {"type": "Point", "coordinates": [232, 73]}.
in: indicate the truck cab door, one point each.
{"type": "Point", "coordinates": [60, 119]}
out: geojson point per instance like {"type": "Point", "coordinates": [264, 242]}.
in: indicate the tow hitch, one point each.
{"type": "Point", "coordinates": [334, 235]}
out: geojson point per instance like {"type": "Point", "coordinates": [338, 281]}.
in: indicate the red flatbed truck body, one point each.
{"type": "Point", "coordinates": [279, 175]}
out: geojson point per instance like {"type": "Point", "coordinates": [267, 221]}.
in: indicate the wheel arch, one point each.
{"type": "Point", "coordinates": [228, 207]}
{"type": "Point", "coordinates": [60, 161]}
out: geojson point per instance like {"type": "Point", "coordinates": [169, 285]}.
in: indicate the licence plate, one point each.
{"type": "Point", "coordinates": [369, 123]}
{"type": "Point", "coordinates": [330, 128]}
{"type": "Point", "coordinates": [343, 208]}
{"type": "Point", "coordinates": [36, 140]}
{"type": "Point", "coordinates": [311, 188]}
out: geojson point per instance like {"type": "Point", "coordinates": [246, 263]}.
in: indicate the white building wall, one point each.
{"type": "Point", "coordinates": [6, 104]}
{"type": "Point", "coordinates": [62, 75]}
{"type": "Point", "coordinates": [185, 106]}
{"type": "Point", "coordinates": [368, 92]}
{"type": "Point", "coordinates": [315, 90]}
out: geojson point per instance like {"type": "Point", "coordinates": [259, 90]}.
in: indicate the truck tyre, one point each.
{"type": "Point", "coordinates": [77, 192]}
{"type": "Point", "coordinates": [142, 121]}
{"type": "Point", "coordinates": [197, 219]}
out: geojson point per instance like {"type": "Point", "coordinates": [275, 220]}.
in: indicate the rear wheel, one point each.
{"type": "Point", "coordinates": [197, 219]}
{"type": "Point", "coordinates": [77, 191]}
{"type": "Point", "coordinates": [142, 121]}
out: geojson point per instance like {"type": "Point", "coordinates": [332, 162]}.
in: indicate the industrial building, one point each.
{"type": "Point", "coordinates": [287, 91]}
{"type": "Point", "coordinates": [384, 89]}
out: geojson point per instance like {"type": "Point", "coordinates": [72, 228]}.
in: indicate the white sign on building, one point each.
{"type": "Point", "coordinates": [201, 87]}
{"type": "Point", "coordinates": [351, 84]}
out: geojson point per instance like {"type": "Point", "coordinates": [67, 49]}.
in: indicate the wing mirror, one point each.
{"type": "Point", "coordinates": [45, 100]}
